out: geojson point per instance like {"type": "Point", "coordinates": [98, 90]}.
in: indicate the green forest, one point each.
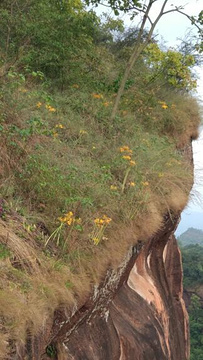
{"type": "Point", "coordinates": [94, 121]}
{"type": "Point", "coordinates": [192, 256]}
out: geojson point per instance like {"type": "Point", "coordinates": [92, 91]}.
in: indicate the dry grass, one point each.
{"type": "Point", "coordinates": [70, 160]}
{"type": "Point", "coordinates": [30, 294]}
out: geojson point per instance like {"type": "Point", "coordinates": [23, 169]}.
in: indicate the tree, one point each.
{"type": "Point", "coordinates": [139, 7]}
{"type": "Point", "coordinates": [47, 36]}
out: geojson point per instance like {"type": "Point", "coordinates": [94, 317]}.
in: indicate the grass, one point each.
{"type": "Point", "coordinates": [60, 153]}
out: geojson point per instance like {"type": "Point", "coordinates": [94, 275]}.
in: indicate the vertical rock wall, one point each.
{"type": "Point", "coordinates": [137, 314]}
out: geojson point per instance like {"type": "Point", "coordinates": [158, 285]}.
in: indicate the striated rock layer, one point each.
{"type": "Point", "coordinates": [137, 313]}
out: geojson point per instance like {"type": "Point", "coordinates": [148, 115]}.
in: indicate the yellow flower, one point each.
{"type": "Point", "coordinates": [164, 106]}
{"type": "Point", "coordinates": [51, 109]}
{"type": "Point", "coordinates": [145, 183]}
{"type": "Point", "coordinates": [55, 134]}
{"type": "Point", "coordinates": [160, 175]}
{"type": "Point", "coordinates": [96, 221]}
{"type": "Point", "coordinates": [99, 222]}
{"type": "Point", "coordinates": [83, 132]}
{"type": "Point", "coordinates": [132, 183]}
{"type": "Point", "coordinates": [97, 96]}
{"type": "Point", "coordinates": [113, 187]}
{"type": "Point", "coordinates": [62, 219]}
{"type": "Point", "coordinates": [68, 218]}
{"type": "Point", "coordinates": [106, 103]}
{"type": "Point", "coordinates": [75, 86]}
{"type": "Point", "coordinates": [126, 157]}
{"type": "Point", "coordinates": [95, 240]}
{"type": "Point", "coordinates": [60, 126]}
{"type": "Point", "coordinates": [107, 219]}
{"type": "Point", "coordinates": [132, 163]}
{"type": "Point", "coordinates": [39, 104]}
{"type": "Point", "coordinates": [124, 148]}
{"type": "Point", "coordinates": [69, 221]}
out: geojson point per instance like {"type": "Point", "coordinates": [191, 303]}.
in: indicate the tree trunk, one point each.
{"type": "Point", "coordinates": [139, 47]}
{"type": "Point", "coordinates": [135, 55]}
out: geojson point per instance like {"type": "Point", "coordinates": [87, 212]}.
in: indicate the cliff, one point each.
{"type": "Point", "coordinates": [137, 312]}
{"type": "Point", "coordinates": [89, 267]}
{"type": "Point", "coordinates": [138, 315]}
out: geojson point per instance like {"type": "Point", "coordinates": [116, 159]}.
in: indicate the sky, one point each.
{"type": "Point", "coordinates": [177, 27]}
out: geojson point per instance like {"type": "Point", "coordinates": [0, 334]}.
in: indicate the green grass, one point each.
{"type": "Point", "coordinates": [60, 154]}
{"type": "Point", "coordinates": [67, 154]}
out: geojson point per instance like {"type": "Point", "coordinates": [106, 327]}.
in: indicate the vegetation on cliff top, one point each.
{"type": "Point", "coordinates": [75, 185]}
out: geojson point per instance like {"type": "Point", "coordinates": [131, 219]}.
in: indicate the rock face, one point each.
{"type": "Point", "coordinates": [138, 313]}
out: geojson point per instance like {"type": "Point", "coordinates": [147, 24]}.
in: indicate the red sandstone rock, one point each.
{"type": "Point", "coordinates": [137, 314]}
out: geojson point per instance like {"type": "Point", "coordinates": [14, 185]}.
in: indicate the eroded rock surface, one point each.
{"type": "Point", "coordinates": [138, 313]}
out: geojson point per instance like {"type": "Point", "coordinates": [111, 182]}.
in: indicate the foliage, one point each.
{"type": "Point", "coordinates": [196, 327]}
{"type": "Point", "coordinates": [117, 5]}
{"type": "Point", "coordinates": [75, 185]}
{"type": "Point", "coordinates": [192, 265]}
{"type": "Point", "coordinates": [46, 37]}
{"type": "Point", "coordinates": [171, 67]}
{"type": "Point", "coordinates": [193, 279]}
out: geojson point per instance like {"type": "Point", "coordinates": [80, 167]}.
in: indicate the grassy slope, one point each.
{"type": "Point", "coordinates": [61, 154]}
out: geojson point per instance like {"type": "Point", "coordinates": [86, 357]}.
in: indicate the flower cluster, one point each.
{"type": "Point", "coordinates": [60, 126]}
{"type": "Point", "coordinates": [106, 103]}
{"type": "Point", "coordinates": [99, 227]}
{"type": "Point", "coordinates": [128, 154]}
{"type": "Point", "coordinates": [163, 105]}
{"type": "Point", "coordinates": [50, 108]}
{"type": "Point", "coordinates": [144, 183]}
{"type": "Point", "coordinates": [83, 132]}
{"type": "Point", "coordinates": [97, 96]}
{"type": "Point", "coordinates": [105, 220]}
{"type": "Point", "coordinates": [69, 219]}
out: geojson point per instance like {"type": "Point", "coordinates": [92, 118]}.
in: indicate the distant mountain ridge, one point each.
{"type": "Point", "coordinates": [191, 236]}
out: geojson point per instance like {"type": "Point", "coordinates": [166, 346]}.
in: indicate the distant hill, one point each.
{"type": "Point", "coordinates": [190, 219]}
{"type": "Point", "coordinates": [191, 236]}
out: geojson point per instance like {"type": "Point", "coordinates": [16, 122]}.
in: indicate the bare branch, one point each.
{"type": "Point", "coordinates": [190, 18]}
